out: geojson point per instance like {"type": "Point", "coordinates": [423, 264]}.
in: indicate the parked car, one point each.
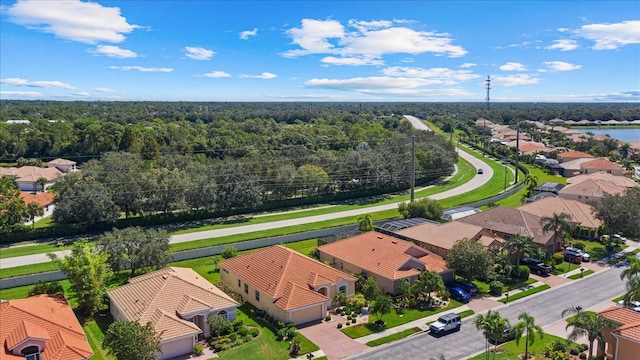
{"type": "Point", "coordinates": [572, 256]}
{"type": "Point", "coordinates": [465, 285]}
{"type": "Point", "coordinates": [446, 323]}
{"type": "Point", "coordinates": [585, 257]}
{"type": "Point", "coordinates": [575, 252]}
{"type": "Point", "coordinates": [459, 294]}
{"type": "Point", "coordinates": [536, 266]}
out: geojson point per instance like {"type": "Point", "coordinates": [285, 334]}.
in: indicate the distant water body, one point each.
{"type": "Point", "coordinates": [626, 135]}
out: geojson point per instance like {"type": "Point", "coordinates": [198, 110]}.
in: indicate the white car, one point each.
{"type": "Point", "coordinates": [636, 305]}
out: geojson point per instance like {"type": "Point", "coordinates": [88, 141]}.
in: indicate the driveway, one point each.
{"type": "Point", "coordinates": [332, 341]}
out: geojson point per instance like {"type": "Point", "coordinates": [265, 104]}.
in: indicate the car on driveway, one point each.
{"type": "Point", "coordinates": [459, 294]}
{"type": "Point", "coordinates": [465, 285]}
{"type": "Point", "coordinates": [536, 266]}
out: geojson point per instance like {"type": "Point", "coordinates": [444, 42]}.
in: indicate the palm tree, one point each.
{"type": "Point", "coordinates": [34, 209]}
{"type": "Point", "coordinates": [42, 182]}
{"type": "Point", "coordinates": [532, 183]}
{"type": "Point", "coordinates": [633, 290]}
{"type": "Point", "coordinates": [528, 327]}
{"type": "Point", "coordinates": [365, 223]}
{"type": "Point", "coordinates": [340, 298]}
{"type": "Point", "coordinates": [428, 282]}
{"type": "Point", "coordinates": [556, 223]}
{"type": "Point", "coordinates": [492, 326]}
{"type": "Point", "coordinates": [589, 325]}
{"type": "Point", "coordinates": [632, 271]}
{"type": "Point", "coordinates": [517, 246]}
{"type": "Point", "coordinates": [382, 306]}
{"type": "Point", "coordinates": [406, 291]}
{"type": "Point", "coordinates": [624, 150]}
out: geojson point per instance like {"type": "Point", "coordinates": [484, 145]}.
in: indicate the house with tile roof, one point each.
{"type": "Point", "coordinates": [176, 301]}
{"type": "Point", "coordinates": [508, 222]}
{"type": "Point", "coordinates": [41, 327]}
{"type": "Point", "coordinates": [285, 284]}
{"type": "Point", "coordinates": [44, 199]}
{"type": "Point", "coordinates": [581, 213]}
{"type": "Point", "coordinates": [440, 238]}
{"type": "Point", "coordinates": [26, 177]}
{"type": "Point", "coordinates": [388, 259]}
{"type": "Point", "coordinates": [623, 341]}
{"type": "Point", "coordinates": [592, 187]}
{"type": "Point", "coordinates": [63, 165]}
{"type": "Point", "coordinates": [601, 165]}
{"type": "Point", "coordinates": [573, 155]}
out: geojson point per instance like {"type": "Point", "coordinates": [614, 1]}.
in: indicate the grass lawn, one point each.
{"type": "Point", "coordinates": [95, 329]}
{"type": "Point", "coordinates": [29, 248]}
{"type": "Point", "coordinates": [484, 287]}
{"type": "Point", "coordinates": [581, 275]}
{"type": "Point", "coordinates": [394, 337]}
{"type": "Point", "coordinates": [394, 319]}
{"type": "Point", "coordinates": [510, 350]}
{"type": "Point", "coordinates": [266, 344]}
{"type": "Point", "coordinates": [525, 293]}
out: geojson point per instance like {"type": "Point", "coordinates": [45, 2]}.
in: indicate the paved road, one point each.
{"type": "Point", "coordinates": [474, 183]}
{"type": "Point", "coordinates": [545, 307]}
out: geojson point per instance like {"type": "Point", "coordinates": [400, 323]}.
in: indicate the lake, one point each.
{"type": "Point", "coordinates": [626, 135]}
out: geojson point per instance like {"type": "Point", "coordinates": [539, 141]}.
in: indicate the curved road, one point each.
{"type": "Point", "coordinates": [474, 183]}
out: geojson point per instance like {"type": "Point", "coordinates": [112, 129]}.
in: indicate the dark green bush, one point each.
{"type": "Point", "coordinates": [583, 356]}
{"type": "Point", "coordinates": [255, 332]}
{"type": "Point", "coordinates": [243, 331]}
{"type": "Point", "coordinates": [339, 326]}
{"type": "Point", "coordinates": [574, 351]}
{"type": "Point", "coordinates": [558, 258]}
{"type": "Point", "coordinates": [495, 288]}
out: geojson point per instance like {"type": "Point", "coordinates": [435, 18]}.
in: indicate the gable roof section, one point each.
{"type": "Point", "coordinates": [285, 275]}
{"type": "Point", "coordinates": [628, 319]}
{"type": "Point", "coordinates": [601, 163]}
{"type": "Point", "coordinates": [575, 164]}
{"type": "Point", "coordinates": [46, 318]}
{"type": "Point", "coordinates": [385, 255]}
{"type": "Point", "coordinates": [441, 235]}
{"type": "Point", "coordinates": [43, 199]}
{"type": "Point", "coordinates": [597, 184]}
{"type": "Point", "coordinates": [61, 162]}
{"type": "Point", "coordinates": [171, 291]}
{"type": "Point", "coordinates": [510, 221]}
{"type": "Point", "coordinates": [575, 154]}
{"type": "Point", "coordinates": [580, 212]}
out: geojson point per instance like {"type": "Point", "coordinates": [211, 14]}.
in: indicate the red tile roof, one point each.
{"type": "Point", "coordinates": [628, 319]}
{"type": "Point", "coordinates": [43, 198]}
{"type": "Point", "coordinates": [575, 154]}
{"type": "Point", "coordinates": [601, 164]}
{"type": "Point", "coordinates": [385, 255]}
{"type": "Point", "coordinates": [285, 275]}
{"type": "Point", "coordinates": [42, 318]}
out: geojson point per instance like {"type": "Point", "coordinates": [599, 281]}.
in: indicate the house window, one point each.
{"type": "Point", "coordinates": [223, 313]}
{"type": "Point", "coordinates": [35, 356]}
{"type": "Point", "coordinates": [342, 289]}
{"type": "Point", "coordinates": [257, 295]}
{"type": "Point", "coordinates": [31, 353]}
{"type": "Point", "coordinates": [609, 171]}
{"type": "Point", "coordinates": [238, 282]}
{"type": "Point", "coordinates": [246, 288]}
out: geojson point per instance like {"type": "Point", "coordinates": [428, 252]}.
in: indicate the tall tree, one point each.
{"type": "Point", "coordinates": [620, 213]}
{"type": "Point", "coordinates": [424, 208]}
{"type": "Point", "coordinates": [88, 270]}
{"type": "Point", "coordinates": [13, 210]}
{"type": "Point", "coordinates": [517, 246]}
{"type": "Point", "coordinates": [40, 184]}
{"type": "Point", "coordinates": [557, 223]}
{"type": "Point", "coordinates": [492, 326]}
{"type": "Point", "coordinates": [527, 327]}
{"type": "Point", "coordinates": [587, 325]}
{"type": "Point", "coordinates": [428, 282]}
{"type": "Point", "coordinates": [382, 305]}
{"type": "Point", "coordinates": [632, 271]}
{"type": "Point", "coordinates": [34, 210]}
{"type": "Point", "coordinates": [134, 248]}
{"type": "Point", "coordinates": [633, 290]}
{"type": "Point", "coordinates": [128, 340]}
{"type": "Point", "coordinates": [470, 259]}
{"type": "Point", "coordinates": [84, 201]}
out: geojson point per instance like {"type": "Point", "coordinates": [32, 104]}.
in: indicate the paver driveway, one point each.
{"type": "Point", "coordinates": [332, 341]}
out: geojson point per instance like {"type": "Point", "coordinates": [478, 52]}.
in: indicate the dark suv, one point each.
{"type": "Point", "coordinates": [468, 286]}
{"type": "Point", "coordinates": [536, 266]}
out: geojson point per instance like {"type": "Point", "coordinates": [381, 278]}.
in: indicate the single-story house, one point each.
{"type": "Point", "coordinates": [176, 301]}
{"type": "Point", "coordinates": [508, 222]}
{"type": "Point", "coordinates": [388, 259]}
{"type": "Point", "coordinates": [573, 167]}
{"type": "Point", "coordinates": [287, 285]}
{"type": "Point", "coordinates": [440, 238]}
{"type": "Point", "coordinates": [26, 177]}
{"type": "Point", "coordinates": [623, 341]}
{"type": "Point", "coordinates": [41, 327]}
{"type": "Point", "coordinates": [581, 213]}
{"type": "Point", "coordinates": [44, 199]}
{"type": "Point", "coordinates": [601, 165]}
{"type": "Point", "coordinates": [572, 155]}
{"type": "Point", "coordinates": [585, 188]}
{"type": "Point", "coordinates": [63, 165]}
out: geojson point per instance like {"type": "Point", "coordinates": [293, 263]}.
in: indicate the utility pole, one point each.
{"type": "Point", "coordinates": [413, 167]}
{"type": "Point", "coordinates": [484, 130]}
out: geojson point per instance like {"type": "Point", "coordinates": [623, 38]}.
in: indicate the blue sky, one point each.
{"type": "Point", "coordinates": [416, 51]}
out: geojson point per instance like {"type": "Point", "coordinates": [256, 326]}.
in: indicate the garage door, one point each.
{"type": "Point", "coordinates": [177, 348]}
{"type": "Point", "coordinates": [307, 315]}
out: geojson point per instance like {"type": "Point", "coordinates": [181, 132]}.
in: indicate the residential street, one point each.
{"type": "Point", "coordinates": [545, 307]}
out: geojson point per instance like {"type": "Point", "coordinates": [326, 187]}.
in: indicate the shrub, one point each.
{"type": "Point", "coordinates": [327, 318]}
{"type": "Point", "coordinates": [353, 321]}
{"type": "Point", "coordinates": [559, 355]}
{"type": "Point", "coordinates": [291, 332]}
{"type": "Point", "coordinates": [348, 317]}
{"type": "Point", "coordinates": [217, 347]}
{"type": "Point", "coordinates": [237, 324]}
{"type": "Point", "coordinates": [281, 334]}
{"type": "Point", "coordinates": [523, 272]}
{"type": "Point", "coordinates": [229, 252]}
{"type": "Point", "coordinates": [583, 356]}
{"type": "Point", "coordinates": [580, 246]}
{"type": "Point", "coordinates": [243, 331]}
{"type": "Point", "coordinates": [233, 336]}
{"type": "Point", "coordinates": [198, 349]}
{"type": "Point", "coordinates": [583, 347]}
{"type": "Point", "coordinates": [558, 258]}
{"type": "Point", "coordinates": [339, 326]}
{"type": "Point", "coordinates": [255, 332]}
{"type": "Point", "coordinates": [495, 288]}
{"type": "Point", "coordinates": [574, 351]}
{"type": "Point", "coordinates": [295, 348]}
{"type": "Point", "coordinates": [358, 300]}
{"type": "Point", "coordinates": [279, 325]}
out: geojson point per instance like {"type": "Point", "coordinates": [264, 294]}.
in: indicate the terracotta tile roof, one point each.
{"type": "Point", "coordinates": [628, 319]}
{"type": "Point", "coordinates": [385, 255]}
{"type": "Point", "coordinates": [603, 177]}
{"type": "Point", "coordinates": [574, 164]}
{"type": "Point", "coordinates": [596, 185]}
{"type": "Point", "coordinates": [510, 221]}
{"type": "Point", "coordinates": [61, 162]}
{"type": "Point", "coordinates": [601, 163]}
{"type": "Point", "coordinates": [575, 154]}
{"type": "Point", "coordinates": [441, 235]}
{"type": "Point", "coordinates": [43, 198]}
{"type": "Point", "coordinates": [284, 274]}
{"type": "Point", "coordinates": [580, 212]}
{"type": "Point", "coordinates": [171, 291]}
{"type": "Point", "coordinates": [42, 317]}
{"type": "Point", "coordinates": [31, 173]}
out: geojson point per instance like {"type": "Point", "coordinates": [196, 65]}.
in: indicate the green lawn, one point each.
{"type": "Point", "coordinates": [581, 275]}
{"type": "Point", "coordinates": [394, 319]}
{"type": "Point", "coordinates": [484, 287]}
{"type": "Point", "coordinates": [393, 337]}
{"type": "Point", "coordinates": [520, 295]}
{"type": "Point", "coordinates": [29, 248]}
{"type": "Point", "coordinates": [511, 350]}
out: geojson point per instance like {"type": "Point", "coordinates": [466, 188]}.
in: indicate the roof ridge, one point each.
{"type": "Point", "coordinates": [44, 319]}
{"type": "Point", "coordinates": [285, 270]}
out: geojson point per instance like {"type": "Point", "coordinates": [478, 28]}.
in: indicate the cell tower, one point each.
{"type": "Point", "coordinates": [488, 81]}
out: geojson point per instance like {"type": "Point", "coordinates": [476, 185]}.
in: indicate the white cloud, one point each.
{"type": "Point", "coordinates": [384, 85]}
{"type": "Point", "coordinates": [248, 33]}
{"type": "Point", "coordinates": [104, 90]}
{"type": "Point", "coordinates": [217, 74]}
{"type": "Point", "coordinates": [513, 66]}
{"type": "Point", "coordinates": [514, 80]}
{"type": "Point", "coordinates": [40, 84]}
{"type": "Point", "coordinates": [468, 65]}
{"type": "Point", "coordinates": [563, 45]}
{"type": "Point", "coordinates": [82, 94]}
{"type": "Point", "coordinates": [75, 20]}
{"type": "Point", "coordinates": [26, 94]}
{"type": "Point", "coordinates": [113, 51]}
{"type": "Point", "coordinates": [366, 40]}
{"type": "Point", "coordinates": [441, 76]}
{"type": "Point", "coordinates": [611, 36]}
{"type": "Point", "coordinates": [559, 66]}
{"type": "Point", "coordinates": [264, 75]}
{"type": "Point", "coordinates": [353, 61]}
{"type": "Point", "coordinates": [563, 30]}
{"type": "Point", "coordinates": [198, 53]}
{"type": "Point", "coordinates": [141, 69]}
